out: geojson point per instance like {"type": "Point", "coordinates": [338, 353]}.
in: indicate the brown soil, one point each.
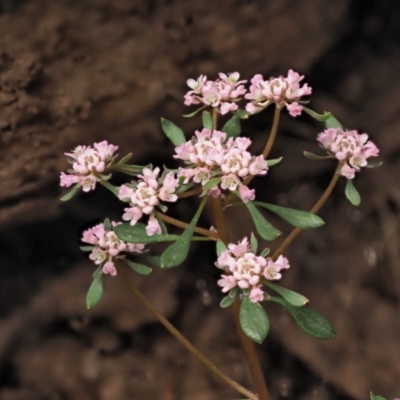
{"type": "Point", "coordinates": [75, 72]}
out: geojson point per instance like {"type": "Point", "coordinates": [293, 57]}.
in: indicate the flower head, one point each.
{"type": "Point", "coordinates": [283, 91]}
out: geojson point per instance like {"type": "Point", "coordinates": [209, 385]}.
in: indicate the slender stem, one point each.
{"type": "Point", "coordinates": [295, 232]}
{"type": "Point", "coordinates": [184, 225]}
{"type": "Point", "coordinates": [215, 118]}
{"type": "Point", "coordinates": [248, 346]}
{"type": "Point", "coordinates": [274, 131]}
{"type": "Point", "coordinates": [181, 339]}
{"type": "Point", "coordinates": [190, 193]}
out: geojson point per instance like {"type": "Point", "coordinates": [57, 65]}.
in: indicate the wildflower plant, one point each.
{"type": "Point", "coordinates": [217, 166]}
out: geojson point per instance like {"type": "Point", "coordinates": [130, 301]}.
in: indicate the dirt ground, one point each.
{"type": "Point", "coordinates": [76, 72]}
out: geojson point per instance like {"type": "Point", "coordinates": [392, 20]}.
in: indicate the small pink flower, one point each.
{"type": "Point", "coordinates": [246, 194]}
{"type": "Point", "coordinates": [125, 193]}
{"type": "Point", "coordinates": [68, 180]}
{"type": "Point", "coordinates": [87, 182]}
{"type": "Point", "coordinates": [227, 283]}
{"type": "Point", "coordinates": [98, 255]}
{"type": "Point", "coordinates": [153, 226]}
{"type": "Point", "coordinates": [294, 109]}
{"type": "Point", "coordinates": [348, 172]}
{"type": "Point", "coordinates": [109, 268]}
{"type": "Point", "coordinates": [256, 294]}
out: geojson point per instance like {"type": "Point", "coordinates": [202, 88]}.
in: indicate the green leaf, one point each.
{"type": "Point", "coordinates": [155, 261]}
{"type": "Point", "coordinates": [182, 187]}
{"type": "Point", "coordinates": [87, 248]}
{"type": "Point", "coordinates": [132, 170]}
{"type": "Point", "coordinates": [332, 122]}
{"type": "Point", "coordinates": [253, 320]}
{"type": "Point", "coordinates": [254, 243]}
{"type": "Point", "coordinates": [194, 112]}
{"type": "Point", "coordinates": [139, 268]}
{"type": "Point", "coordinates": [113, 189]}
{"type": "Point", "coordinates": [311, 322]}
{"type": "Point", "coordinates": [352, 194]}
{"type": "Point", "coordinates": [375, 397]}
{"type": "Point", "coordinates": [71, 193]}
{"type": "Point", "coordinates": [232, 127]}
{"type": "Point", "coordinates": [173, 132]}
{"type": "Point", "coordinates": [242, 114]}
{"type": "Point", "coordinates": [138, 234]}
{"type": "Point", "coordinates": [207, 120]}
{"type": "Point", "coordinates": [123, 160]}
{"type": "Point", "coordinates": [95, 291]}
{"type": "Point", "coordinates": [210, 184]}
{"type": "Point", "coordinates": [293, 298]}
{"type": "Point", "coordinates": [227, 301]}
{"type": "Point", "coordinates": [374, 164]}
{"type": "Point", "coordinates": [107, 225]}
{"type": "Point", "coordinates": [175, 254]}
{"type": "Point", "coordinates": [299, 219]}
{"type": "Point", "coordinates": [164, 230]}
{"type": "Point", "coordinates": [221, 247]}
{"type": "Point", "coordinates": [274, 161]}
{"type": "Point", "coordinates": [264, 228]}
{"type": "Point", "coordinates": [265, 252]}
{"type": "Point", "coordinates": [319, 117]}
{"type": "Point", "coordinates": [312, 156]}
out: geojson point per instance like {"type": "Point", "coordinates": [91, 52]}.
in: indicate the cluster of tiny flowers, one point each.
{"type": "Point", "coordinates": [88, 163]}
{"type": "Point", "coordinates": [107, 246]}
{"type": "Point", "coordinates": [350, 147]}
{"type": "Point", "coordinates": [281, 91]}
{"type": "Point", "coordinates": [146, 194]}
{"type": "Point", "coordinates": [210, 155]}
{"type": "Point", "coordinates": [245, 269]}
{"type": "Point", "coordinates": [221, 94]}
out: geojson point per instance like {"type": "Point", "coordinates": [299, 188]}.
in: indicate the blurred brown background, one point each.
{"type": "Point", "coordinates": [75, 72]}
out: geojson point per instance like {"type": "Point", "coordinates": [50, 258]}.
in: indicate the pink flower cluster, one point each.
{"type": "Point", "coordinates": [350, 147]}
{"type": "Point", "coordinates": [281, 91]}
{"type": "Point", "coordinates": [221, 94]}
{"type": "Point", "coordinates": [88, 163]}
{"type": "Point", "coordinates": [211, 155]}
{"type": "Point", "coordinates": [146, 194]}
{"type": "Point", "coordinates": [245, 269]}
{"type": "Point", "coordinates": [107, 246]}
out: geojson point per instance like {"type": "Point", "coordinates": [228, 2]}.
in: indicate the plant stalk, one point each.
{"type": "Point", "coordinates": [181, 339]}
{"type": "Point", "coordinates": [247, 345]}
{"type": "Point", "coordinates": [295, 232]}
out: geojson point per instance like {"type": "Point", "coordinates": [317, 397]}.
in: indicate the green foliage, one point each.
{"type": "Point", "coordinates": [264, 228]}
{"type": "Point", "coordinates": [253, 320]}
{"type": "Point", "coordinates": [107, 225]}
{"type": "Point", "coordinates": [175, 254]}
{"type": "Point", "coordinates": [207, 120]}
{"type": "Point", "coordinates": [332, 122]}
{"type": "Point", "coordinates": [210, 184]}
{"type": "Point", "coordinates": [352, 194]}
{"type": "Point", "coordinates": [95, 291]}
{"type": "Point", "coordinates": [139, 268]}
{"type": "Point", "coordinates": [227, 301]}
{"type": "Point", "coordinates": [192, 114]}
{"type": "Point", "coordinates": [242, 114]}
{"type": "Point", "coordinates": [113, 189]}
{"type": "Point", "coordinates": [274, 161]}
{"type": "Point", "coordinates": [375, 397]}
{"type": "Point", "coordinates": [221, 247]}
{"type": "Point", "coordinates": [293, 298]}
{"type": "Point", "coordinates": [173, 132]}
{"type": "Point", "coordinates": [297, 218]}
{"type": "Point", "coordinates": [311, 322]}
{"type": "Point", "coordinates": [71, 193]}
{"type": "Point", "coordinates": [319, 117]}
{"type": "Point", "coordinates": [232, 127]}
{"type": "Point", "coordinates": [253, 243]}
{"type": "Point", "coordinates": [312, 156]}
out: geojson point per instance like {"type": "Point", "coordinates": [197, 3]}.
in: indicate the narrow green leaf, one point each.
{"type": "Point", "coordinates": [374, 164]}
{"type": "Point", "coordinates": [352, 194]}
{"type": "Point", "coordinates": [242, 114]}
{"type": "Point", "coordinates": [207, 120]}
{"type": "Point", "coordinates": [182, 187]}
{"type": "Point", "coordinates": [221, 247]}
{"type": "Point", "coordinates": [107, 225]}
{"type": "Point", "coordinates": [95, 291]}
{"type": "Point", "coordinates": [132, 170]}
{"type": "Point", "coordinates": [332, 122]}
{"type": "Point", "coordinates": [265, 252]}
{"type": "Point", "coordinates": [113, 189]}
{"type": "Point", "coordinates": [232, 127]}
{"type": "Point", "coordinates": [164, 230]}
{"type": "Point", "coordinates": [210, 184]}
{"type": "Point", "coordinates": [71, 193]}
{"type": "Point", "coordinates": [375, 397]}
{"type": "Point", "coordinates": [254, 243]}
{"type": "Point", "coordinates": [175, 254]}
{"type": "Point", "coordinates": [155, 261]}
{"type": "Point", "coordinates": [299, 219]}
{"type": "Point", "coordinates": [311, 322]}
{"type": "Point", "coordinates": [319, 117]}
{"type": "Point", "coordinates": [194, 112]}
{"type": "Point", "coordinates": [173, 132]}
{"type": "Point", "coordinates": [227, 301]}
{"type": "Point", "coordinates": [123, 160]}
{"type": "Point", "coordinates": [139, 268]}
{"type": "Point", "coordinates": [87, 248]}
{"type": "Point", "coordinates": [253, 320]}
{"type": "Point", "coordinates": [293, 298]}
{"type": "Point", "coordinates": [138, 234]}
{"type": "Point", "coordinates": [312, 156]}
{"type": "Point", "coordinates": [274, 161]}
{"type": "Point", "coordinates": [264, 228]}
